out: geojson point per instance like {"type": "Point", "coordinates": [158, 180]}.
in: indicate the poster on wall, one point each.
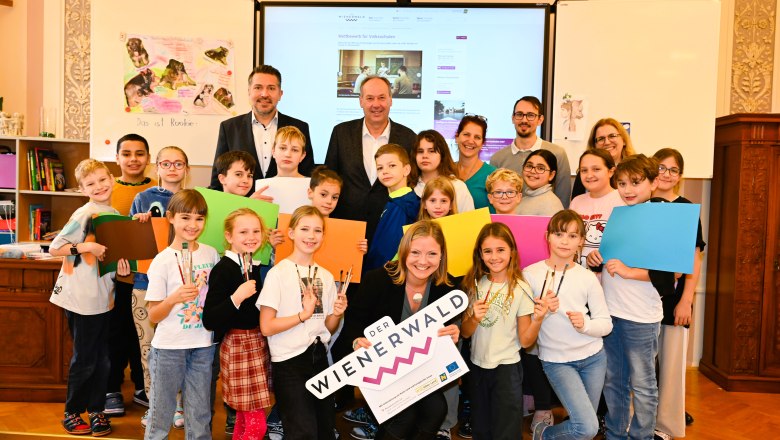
{"type": "Point", "coordinates": [176, 75]}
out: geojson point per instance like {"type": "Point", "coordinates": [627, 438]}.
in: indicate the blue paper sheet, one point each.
{"type": "Point", "coordinates": [659, 236]}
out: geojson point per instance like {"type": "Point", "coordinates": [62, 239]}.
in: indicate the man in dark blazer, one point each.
{"type": "Point", "coordinates": [239, 133]}
{"type": "Point", "coordinates": [351, 154]}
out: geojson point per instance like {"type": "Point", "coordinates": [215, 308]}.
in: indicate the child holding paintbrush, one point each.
{"type": "Point", "coordinates": [502, 317]}
{"type": "Point", "coordinates": [230, 312]}
{"type": "Point", "coordinates": [182, 348]}
{"type": "Point", "coordinates": [570, 345]}
{"type": "Point", "coordinates": [299, 327]}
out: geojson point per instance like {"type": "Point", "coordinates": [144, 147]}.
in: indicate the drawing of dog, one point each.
{"type": "Point", "coordinates": [204, 97]}
{"type": "Point", "coordinates": [138, 54]}
{"type": "Point", "coordinates": [175, 76]}
{"type": "Point", "coordinates": [140, 86]}
{"type": "Point", "coordinates": [219, 54]}
{"type": "Point", "coordinates": [224, 97]}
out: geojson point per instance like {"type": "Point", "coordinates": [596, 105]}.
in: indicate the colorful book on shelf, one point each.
{"type": "Point", "coordinates": [33, 219]}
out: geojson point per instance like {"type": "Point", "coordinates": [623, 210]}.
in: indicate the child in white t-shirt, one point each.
{"type": "Point", "coordinates": [87, 298]}
{"type": "Point", "coordinates": [299, 311]}
{"type": "Point", "coordinates": [595, 206]}
{"type": "Point", "coordinates": [501, 318]}
{"type": "Point", "coordinates": [182, 349]}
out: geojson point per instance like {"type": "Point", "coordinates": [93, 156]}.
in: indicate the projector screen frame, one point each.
{"type": "Point", "coordinates": [548, 50]}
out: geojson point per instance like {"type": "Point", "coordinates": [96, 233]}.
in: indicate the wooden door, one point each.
{"type": "Point", "coordinates": [770, 339]}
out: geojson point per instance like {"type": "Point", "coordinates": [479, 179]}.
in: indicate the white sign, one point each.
{"type": "Point", "coordinates": [289, 193]}
{"type": "Point", "coordinates": [405, 363]}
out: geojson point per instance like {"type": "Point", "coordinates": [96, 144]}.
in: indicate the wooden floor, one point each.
{"type": "Point", "coordinates": [718, 415]}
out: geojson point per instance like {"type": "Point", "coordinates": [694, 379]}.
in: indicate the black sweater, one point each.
{"type": "Point", "coordinates": [219, 312]}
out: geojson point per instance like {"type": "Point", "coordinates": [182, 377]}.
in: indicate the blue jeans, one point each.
{"type": "Point", "coordinates": [578, 385]}
{"type": "Point", "coordinates": [188, 370]}
{"type": "Point", "coordinates": [631, 351]}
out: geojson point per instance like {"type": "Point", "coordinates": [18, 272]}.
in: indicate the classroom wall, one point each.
{"type": "Point", "coordinates": [16, 83]}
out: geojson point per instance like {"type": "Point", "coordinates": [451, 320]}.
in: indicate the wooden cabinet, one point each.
{"type": "Point", "coordinates": [741, 332]}
{"type": "Point", "coordinates": [60, 203]}
{"type": "Point", "coordinates": [33, 333]}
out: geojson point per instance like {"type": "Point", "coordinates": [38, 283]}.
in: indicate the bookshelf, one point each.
{"type": "Point", "coordinates": [60, 203]}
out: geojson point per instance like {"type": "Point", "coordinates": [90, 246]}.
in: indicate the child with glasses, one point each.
{"type": "Point", "coordinates": [505, 190]}
{"type": "Point", "coordinates": [539, 172]}
{"type": "Point", "coordinates": [172, 171]}
{"type": "Point", "coordinates": [678, 308]}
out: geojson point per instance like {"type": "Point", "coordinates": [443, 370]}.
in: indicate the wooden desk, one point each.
{"type": "Point", "coordinates": [35, 345]}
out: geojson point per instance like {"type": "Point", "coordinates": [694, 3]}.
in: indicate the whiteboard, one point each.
{"type": "Point", "coordinates": [198, 21]}
{"type": "Point", "coordinates": [650, 63]}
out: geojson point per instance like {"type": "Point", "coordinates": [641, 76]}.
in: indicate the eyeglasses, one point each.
{"type": "Point", "coordinates": [601, 139]}
{"type": "Point", "coordinates": [529, 116]}
{"type": "Point", "coordinates": [476, 116]}
{"type": "Point", "coordinates": [166, 164]}
{"type": "Point", "coordinates": [538, 169]}
{"type": "Point", "coordinates": [502, 194]}
{"type": "Point", "coordinates": [673, 171]}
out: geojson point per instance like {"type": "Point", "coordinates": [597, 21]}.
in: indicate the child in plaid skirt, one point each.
{"type": "Point", "coordinates": [231, 313]}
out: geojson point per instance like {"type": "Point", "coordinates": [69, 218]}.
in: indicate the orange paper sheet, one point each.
{"type": "Point", "coordinates": [339, 249]}
{"type": "Point", "coordinates": [160, 226]}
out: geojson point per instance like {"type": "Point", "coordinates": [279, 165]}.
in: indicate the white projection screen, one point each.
{"type": "Point", "coordinates": [458, 60]}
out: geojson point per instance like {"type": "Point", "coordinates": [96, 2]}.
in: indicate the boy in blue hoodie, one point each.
{"type": "Point", "coordinates": [392, 169]}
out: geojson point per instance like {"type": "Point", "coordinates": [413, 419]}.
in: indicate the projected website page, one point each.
{"type": "Point", "coordinates": [442, 63]}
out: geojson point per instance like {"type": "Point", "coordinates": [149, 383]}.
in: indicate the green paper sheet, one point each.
{"type": "Point", "coordinates": [220, 205]}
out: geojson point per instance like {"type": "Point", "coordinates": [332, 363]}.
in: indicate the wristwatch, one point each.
{"type": "Point", "coordinates": [74, 250]}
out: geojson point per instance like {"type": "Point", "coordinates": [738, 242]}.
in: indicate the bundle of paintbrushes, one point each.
{"type": "Point", "coordinates": [245, 264]}
{"type": "Point", "coordinates": [344, 282]}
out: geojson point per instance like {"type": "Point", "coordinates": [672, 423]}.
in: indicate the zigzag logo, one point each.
{"type": "Point", "coordinates": [398, 361]}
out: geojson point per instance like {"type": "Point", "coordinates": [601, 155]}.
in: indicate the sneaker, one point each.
{"type": "Point", "coordinates": [230, 421]}
{"type": "Point", "coordinates": [602, 425]}
{"type": "Point", "coordinates": [365, 432]}
{"type": "Point", "coordinates": [275, 431]}
{"type": "Point", "coordinates": [464, 430]}
{"type": "Point", "coordinates": [139, 397]}
{"type": "Point", "coordinates": [658, 435]}
{"type": "Point", "coordinates": [443, 434]}
{"type": "Point", "coordinates": [336, 434]}
{"type": "Point", "coordinates": [538, 430]}
{"type": "Point", "coordinates": [74, 424]}
{"type": "Point", "coordinates": [178, 418]}
{"type": "Point", "coordinates": [115, 406]}
{"type": "Point", "coordinates": [99, 424]}
{"type": "Point", "coordinates": [359, 416]}
{"type": "Point", "coordinates": [145, 419]}
{"type": "Point", "coordinates": [688, 419]}
{"type": "Point", "coordinates": [543, 417]}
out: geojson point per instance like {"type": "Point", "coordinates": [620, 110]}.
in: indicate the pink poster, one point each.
{"type": "Point", "coordinates": [529, 234]}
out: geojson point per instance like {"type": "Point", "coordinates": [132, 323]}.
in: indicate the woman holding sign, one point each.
{"type": "Point", "coordinates": [399, 290]}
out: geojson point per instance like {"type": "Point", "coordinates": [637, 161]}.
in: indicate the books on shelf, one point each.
{"type": "Point", "coordinates": [47, 172]}
{"type": "Point", "coordinates": [7, 222]}
{"type": "Point", "coordinates": [40, 222]}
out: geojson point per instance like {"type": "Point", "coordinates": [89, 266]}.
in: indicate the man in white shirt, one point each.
{"type": "Point", "coordinates": [351, 152]}
{"type": "Point", "coordinates": [526, 117]}
{"type": "Point", "coordinates": [255, 131]}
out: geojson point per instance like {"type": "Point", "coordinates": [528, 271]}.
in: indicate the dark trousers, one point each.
{"type": "Point", "coordinates": [123, 340]}
{"type": "Point", "coordinates": [535, 381]}
{"type": "Point", "coordinates": [304, 416]}
{"type": "Point", "coordinates": [497, 402]}
{"type": "Point", "coordinates": [420, 421]}
{"type": "Point", "coordinates": [89, 364]}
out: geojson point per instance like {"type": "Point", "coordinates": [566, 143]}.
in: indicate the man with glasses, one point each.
{"type": "Point", "coordinates": [526, 117]}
